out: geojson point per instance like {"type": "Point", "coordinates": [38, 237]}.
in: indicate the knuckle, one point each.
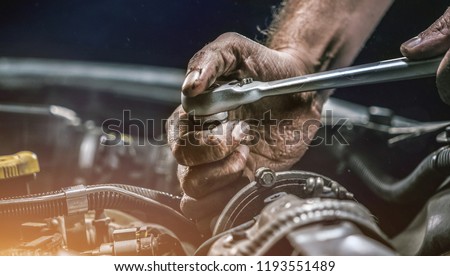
{"type": "Point", "coordinates": [447, 13]}
{"type": "Point", "coordinates": [190, 188]}
{"type": "Point", "coordinates": [186, 186]}
{"type": "Point", "coordinates": [213, 48]}
{"type": "Point", "coordinates": [178, 152]}
{"type": "Point", "coordinates": [187, 206]}
{"type": "Point", "coordinates": [229, 36]}
{"type": "Point", "coordinates": [442, 25]}
{"type": "Point", "coordinates": [190, 184]}
{"type": "Point", "coordinates": [197, 58]}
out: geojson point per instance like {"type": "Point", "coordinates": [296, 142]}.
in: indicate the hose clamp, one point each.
{"type": "Point", "coordinates": [76, 200]}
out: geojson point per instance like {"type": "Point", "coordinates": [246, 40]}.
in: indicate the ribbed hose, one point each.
{"type": "Point", "coordinates": [416, 187]}
{"type": "Point", "coordinates": [108, 196]}
{"type": "Point", "coordinates": [164, 198]}
{"type": "Point", "coordinates": [303, 213]}
{"type": "Point", "coordinates": [42, 205]}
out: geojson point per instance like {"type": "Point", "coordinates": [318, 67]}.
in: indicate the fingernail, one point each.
{"type": "Point", "coordinates": [188, 84]}
{"type": "Point", "coordinates": [413, 42]}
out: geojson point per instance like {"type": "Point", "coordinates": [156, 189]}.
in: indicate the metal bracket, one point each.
{"type": "Point", "coordinates": [76, 200]}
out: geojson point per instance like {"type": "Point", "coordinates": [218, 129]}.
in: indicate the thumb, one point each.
{"type": "Point", "coordinates": [432, 42]}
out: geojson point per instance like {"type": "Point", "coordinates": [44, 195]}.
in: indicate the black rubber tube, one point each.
{"type": "Point", "coordinates": [164, 198]}
{"type": "Point", "coordinates": [107, 196]}
{"type": "Point", "coordinates": [42, 205]}
{"type": "Point", "coordinates": [308, 213]}
{"type": "Point", "coordinates": [417, 187]}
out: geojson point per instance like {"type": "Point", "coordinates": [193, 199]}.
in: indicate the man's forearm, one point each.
{"type": "Point", "coordinates": [327, 33]}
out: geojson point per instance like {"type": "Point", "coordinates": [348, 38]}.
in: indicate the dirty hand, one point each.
{"type": "Point", "coordinates": [215, 164]}
{"type": "Point", "coordinates": [433, 42]}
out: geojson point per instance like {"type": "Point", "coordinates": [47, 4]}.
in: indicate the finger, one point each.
{"type": "Point", "coordinates": [193, 148]}
{"type": "Point", "coordinates": [177, 125]}
{"type": "Point", "coordinates": [443, 79]}
{"type": "Point", "coordinates": [432, 42]}
{"type": "Point", "coordinates": [211, 204]}
{"type": "Point", "coordinates": [217, 59]}
{"type": "Point", "coordinates": [204, 68]}
{"type": "Point", "coordinates": [198, 181]}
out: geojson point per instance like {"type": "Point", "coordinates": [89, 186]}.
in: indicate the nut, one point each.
{"type": "Point", "coordinates": [265, 177]}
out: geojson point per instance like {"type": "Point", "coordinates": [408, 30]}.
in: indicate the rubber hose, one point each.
{"type": "Point", "coordinates": [162, 197]}
{"type": "Point", "coordinates": [43, 205]}
{"type": "Point", "coordinates": [109, 196]}
{"type": "Point", "coordinates": [417, 187]}
{"type": "Point", "coordinates": [315, 211]}
{"type": "Point", "coordinates": [53, 203]}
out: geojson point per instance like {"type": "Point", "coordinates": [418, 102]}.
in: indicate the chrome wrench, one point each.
{"type": "Point", "coordinates": [213, 104]}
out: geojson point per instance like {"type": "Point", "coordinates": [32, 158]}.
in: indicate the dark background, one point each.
{"type": "Point", "coordinates": [168, 33]}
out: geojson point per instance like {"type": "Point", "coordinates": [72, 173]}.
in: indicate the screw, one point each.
{"type": "Point", "coordinates": [265, 177]}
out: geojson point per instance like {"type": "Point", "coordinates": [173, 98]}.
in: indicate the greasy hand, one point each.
{"type": "Point", "coordinates": [433, 42]}
{"type": "Point", "coordinates": [214, 165]}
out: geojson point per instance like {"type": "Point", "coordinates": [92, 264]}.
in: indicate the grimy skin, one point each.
{"type": "Point", "coordinates": [306, 36]}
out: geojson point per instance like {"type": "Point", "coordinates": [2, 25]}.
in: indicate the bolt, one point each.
{"type": "Point", "coordinates": [319, 187]}
{"type": "Point", "coordinates": [245, 81]}
{"type": "Point", "coordinates": [310, 185]}
{"type": "Point", "coordinates": [265, 177]}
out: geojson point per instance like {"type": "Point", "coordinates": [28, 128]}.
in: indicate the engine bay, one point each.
{"type": "Point", "coordinates": [376, 184]}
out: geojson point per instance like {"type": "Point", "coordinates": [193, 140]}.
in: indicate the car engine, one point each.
{"type": "Point", "coordinates": [375, 184]}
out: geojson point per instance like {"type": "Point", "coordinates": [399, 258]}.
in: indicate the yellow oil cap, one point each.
{"type": "Point", "coordinates": [19, 164]}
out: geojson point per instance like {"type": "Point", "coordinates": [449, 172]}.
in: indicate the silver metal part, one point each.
{"type": "Point", "coordinates": [444, 137]}
{"type": "Point", "coordinates": [270, 186]}
{"type": "Point", "coordinates": [289, 213]}
{"type": "Point", "coordinates": [126, 242]}
{"type": "Point", "coordinates": [77, 200]}
{"type": "Point", "coordinates": [265, 177]}
{"type": "Point", "coordinates": [207, 121]}
{"type": "Point", "coordinates": [234, 94]}
{"type": "Point", "coordinates": [245, 81]}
